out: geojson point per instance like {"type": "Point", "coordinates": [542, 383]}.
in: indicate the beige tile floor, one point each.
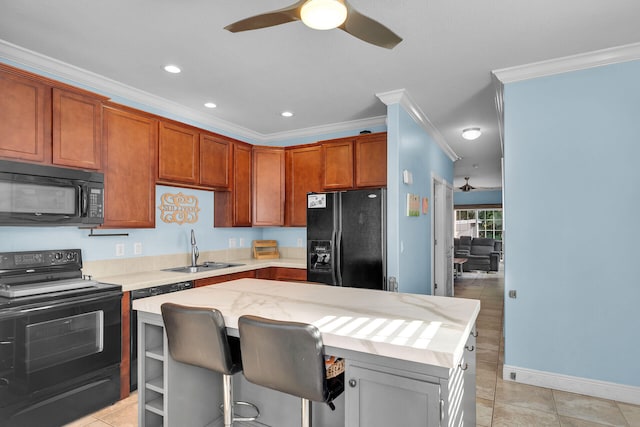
{"type": "Point", "coordinates": [499, 403]}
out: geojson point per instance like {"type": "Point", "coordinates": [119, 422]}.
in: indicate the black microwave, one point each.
{"type": "Point", "coordinates": [40, 195]}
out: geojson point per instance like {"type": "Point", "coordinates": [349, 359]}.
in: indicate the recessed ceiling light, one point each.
{"type": "Point", "coordinates": [471, 133]}
{"type": "Point", "coordinates": [210, 105]}
{"type": "Point", "coordinates": [173, 69]}
{"type": "Point", "coordinates": [286, 114]}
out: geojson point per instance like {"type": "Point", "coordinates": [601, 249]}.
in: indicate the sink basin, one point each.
{"type": "Point", "coordinates": [207, 266]}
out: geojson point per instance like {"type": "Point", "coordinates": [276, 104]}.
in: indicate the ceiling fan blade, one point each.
{"type": "Point", "coordinates": [269, 19]}
{"type": "Point", "coordinates": [369, 30]}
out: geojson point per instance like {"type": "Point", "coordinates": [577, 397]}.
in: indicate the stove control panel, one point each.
{"type": "Point", "coordinates": [67, 258]}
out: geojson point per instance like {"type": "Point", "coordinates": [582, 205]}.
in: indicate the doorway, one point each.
{"type": "Point", "coordinates": [442, 232]}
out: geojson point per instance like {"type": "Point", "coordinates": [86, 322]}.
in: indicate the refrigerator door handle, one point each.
{"type": "Point", "coordinates": [339, 258]}
{"type": "Point", "coordinates": [334, 276]}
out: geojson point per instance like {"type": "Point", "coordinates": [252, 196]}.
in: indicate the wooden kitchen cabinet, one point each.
{"type": "Point", "coordinates": [355, 162]}
{"type": "Point", "coordinates": [25, 118]}
{"type": "Point", "coordinates": [233, 208]}
{"type": "Point", "coordinates": [337, 157]}
{"type": "Point", "coordinates": [214, 280]}
{"type": "Point", "coordinates": [211, 280]}
{"type": "Point", "coordinates": [178, 154]}
{"type": "Point", "coordinates": [303, 175]}
{"type": "Point", "coordinates": [49, 122]}
{"type": "Point", "coordinates": [77, 130]}
{"type": "Point", "coordinates": [371, 160]}
{"type": "Point", "coordinates": [290, 274]}
{"type": "Point", "coordinates": [190, 157]}
{"type": "Point", "coordinates": [268, 186]}
{"type": "Point", "coordinates": [215, 161]}
{"type": "Point", "coordinates": [130, 161]}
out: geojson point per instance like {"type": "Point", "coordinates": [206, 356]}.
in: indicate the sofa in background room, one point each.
{"type": "Point", "coordinates": [481, 253]}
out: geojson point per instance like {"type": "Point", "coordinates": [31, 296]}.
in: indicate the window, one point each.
{"type": "Point", "coordinates": [479, 223]}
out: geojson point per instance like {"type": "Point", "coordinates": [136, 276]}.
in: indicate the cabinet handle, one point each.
{"type": "Point", "coordinates": [352, 383]}
{"type": "Point", "coordinates": [466, 366]}
{"type": "Point", "coordinates": [475, 334]}
{"type": "Point", "coordinates": [470, 348]}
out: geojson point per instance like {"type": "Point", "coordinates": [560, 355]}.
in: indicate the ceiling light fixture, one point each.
{"type": "Point", "coordinates": [173, 69]}
{"type": "Point", "coordinates": [286, 114]}
{"type": "Point", "coordinates": [471, 133]}
{"type": "Point", "coordinates": [210, 105]}
{"type": "Point", "coordinates": [323, 14]}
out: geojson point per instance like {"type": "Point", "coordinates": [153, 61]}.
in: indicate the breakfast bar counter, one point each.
{"type": "Point", "coordinates": [409, 359]}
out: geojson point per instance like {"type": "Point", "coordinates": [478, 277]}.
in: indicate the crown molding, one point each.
{"type": "Point", "coordinates": [598, 58]}
{"type": "Point", "coordinates": [326, 129]}
{"type": "Point", "coordinates": [401, 96]}
{"type": "Point", "coordinates": [133, 97]}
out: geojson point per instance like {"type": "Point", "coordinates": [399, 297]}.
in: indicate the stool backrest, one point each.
{"type": "Point", "coordinates": [198, 336]}
{"type": "Point", "coordinates": [284, 356]}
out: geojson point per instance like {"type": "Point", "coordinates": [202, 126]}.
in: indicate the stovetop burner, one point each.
{"type": "Point", "coordinates": [36, 276]}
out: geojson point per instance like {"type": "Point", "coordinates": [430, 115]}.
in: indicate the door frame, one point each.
{"type": "Point", "coordinates": [442, 236]}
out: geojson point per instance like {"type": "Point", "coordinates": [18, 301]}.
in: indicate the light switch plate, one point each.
{"type": "Point", "coordinates": [232, 242]}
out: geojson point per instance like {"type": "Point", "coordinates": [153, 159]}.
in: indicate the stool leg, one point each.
{"type": "Point", "coordinates": [227, 400]}
{"type": "Point", "coordinates": [306, 413]}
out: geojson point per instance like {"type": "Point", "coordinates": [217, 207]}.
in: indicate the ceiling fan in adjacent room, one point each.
{"type": "Point", "coordinates": [467, 187]}
{"type": "Point", "coordinates": [323, 15]}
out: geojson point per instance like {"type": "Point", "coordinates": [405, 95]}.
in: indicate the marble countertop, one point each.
{"type": "Point", "coordinates": [419, 328]}
{"type": "Point", "coordinates": [146, 279]}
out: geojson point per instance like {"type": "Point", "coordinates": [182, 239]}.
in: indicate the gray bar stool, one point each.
{"type": "Point", "coordinates": [287, 357]}
{"type": "Point", "coordinates": [198, 336]}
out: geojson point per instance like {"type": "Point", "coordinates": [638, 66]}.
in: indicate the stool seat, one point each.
{"type": "Point", "coordinates": [198, 336]}
{"type": "Point", "coordinates": [288, 357]}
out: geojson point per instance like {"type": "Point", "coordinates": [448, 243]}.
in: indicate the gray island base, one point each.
{"type": "Point", "coordinates": [409, 359]}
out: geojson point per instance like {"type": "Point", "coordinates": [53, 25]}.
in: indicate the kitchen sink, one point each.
{"type": "Point", "coordinates": [207, 266]}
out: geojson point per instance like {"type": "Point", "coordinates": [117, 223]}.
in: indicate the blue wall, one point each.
{"type": "Point", "coordinates": [571, 195]}
{"type": "Point", "coordinates": [411, 148]}
{"type": "Point", "coordinates": [493, 197]}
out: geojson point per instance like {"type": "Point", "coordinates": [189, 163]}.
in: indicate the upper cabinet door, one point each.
{"type": "Point", "coordinates": [241, 185]}
{"type": "Point", "coordinates": [371, 160]}
{"type": "Point", "coordinates": [215, 159]}
{"type": "Point", "coordinates": [304, 175]}
{"type": "Point", "coordinates": [129, 168]}
{"type": "Point", "coordinates": [25, 118]}
{"type": "Point", "coordinates": [338, 164]}
{"type": "Point", "coordinates": [178, 154]}
{"type": "Point", "coordinates": [77, 130]}
{"type": "Point", "coordinates": [268, 186]}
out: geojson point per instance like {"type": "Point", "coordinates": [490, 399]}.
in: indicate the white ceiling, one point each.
{"type": "Point", "coordinates": [324, 77]}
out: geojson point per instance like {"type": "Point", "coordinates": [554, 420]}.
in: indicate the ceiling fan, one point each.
{"type": "Point", "coordinates": [467, 186]}
{"type": "Point", "coordinates": [338, 14]}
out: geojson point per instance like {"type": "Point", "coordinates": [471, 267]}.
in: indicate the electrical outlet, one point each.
{"type": "Point", "coordinates": [119, 249]}
{"type": "Point", "coordinates": [137, 248]}
{"type": "Point", "coordinates": [299, 243]}
{"type": "Point", "coordinates": [232, 242]}
{"type": "Point", "coordinates": [241, 242]}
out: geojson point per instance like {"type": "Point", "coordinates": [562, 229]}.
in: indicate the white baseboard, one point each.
{"type": "Point", "coordinates": [586, 386]}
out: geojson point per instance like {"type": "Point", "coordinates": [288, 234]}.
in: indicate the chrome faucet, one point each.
{"type": "Point", "coordinates": [195, 254]}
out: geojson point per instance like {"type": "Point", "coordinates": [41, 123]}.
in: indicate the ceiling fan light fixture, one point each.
{"type": "Point", "coordinates": [471, 133]}
{"type": "Point", "coordinates": [323, 14]}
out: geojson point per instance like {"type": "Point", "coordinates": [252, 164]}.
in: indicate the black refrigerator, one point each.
{"type": "Point", "coordinates": [346, 238]}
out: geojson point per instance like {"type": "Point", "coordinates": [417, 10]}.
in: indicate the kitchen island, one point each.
{"type": "Point", "coordinates": [409, 359]}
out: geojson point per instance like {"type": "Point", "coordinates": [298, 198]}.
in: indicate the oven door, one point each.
{"type": "Point", "coordinates": [52, 346]}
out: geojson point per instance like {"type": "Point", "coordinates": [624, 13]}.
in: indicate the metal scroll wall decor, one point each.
{"type": "Point", "coordinates": [178, 208]}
